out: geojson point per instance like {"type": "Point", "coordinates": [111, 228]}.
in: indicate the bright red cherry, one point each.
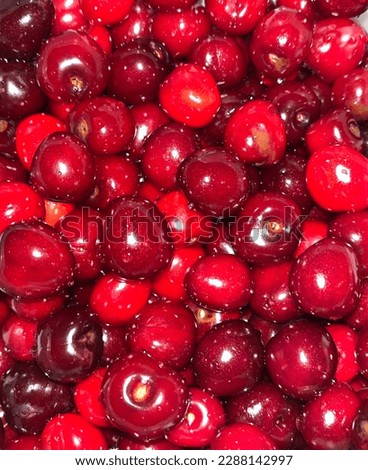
{"type": "Point", "coordinates": [350, 91]}
{"type": "Point", "coordinates": [135, 26]}
{"type": "Point", "coordinates": [336, 170]}
{"type": "Point", "coordinates": [37, 309]}
{"type": "Point", "coordinates": [190, 95]}
{"type": "Point", "coordinates": [105, 12]}
{"type": "Point", "coordinates": [68, 15]}
{"type": "Point", "coordinates": [19, 336]}
{"type": "Point", "coordinates": [313, 230]}
{"type": "Point", "coordinates": [242, 436]}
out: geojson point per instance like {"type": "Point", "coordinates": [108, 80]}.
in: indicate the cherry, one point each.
{"type": "Point", "coordinates": [236, 17]}
{"type": "Point", "coordinates": [335, 8]}
{"type": "Point", "coordinates": [266, 407]}
{"type": "Point", "coordinates": [7, 137]}
{"type": "Point", "coordinates": [114, 343]}
{"type": "Point", "coordinates": [131, 443]}
{"type": "Point", "coordinates": [256, 134]}
{"type": "Point", "coordinates": [19, 337]}
{"type": "Point", "coordinates": [168, 5]}
{"type": "Point", "coordinates": [220, 240]}
{"type": "Point", "coordinates": [336, 170]}
{"type": "Point", "coordinates": [101, 11]}
{"type": "Point", "coordinates": [358, 319]}
{"type": "Point", "coordinates": [116, 300]}
{"type": "Point", "coordinates": [280, 43]}
{"type": "Point", "coordinates": [30, 399]}
{"type": "Point", "coordinates": [362, 352]}
{"type": "Point", "coordinates": [345, 339]}
{"type": "Point", "coordinates": [11, 169]}
{"type": "Point", "coordinates": [137, 69]}
{"type": "Point", "coordinates": [135, 240]}
{"type": "Point", "coordinates": [303, 6]}
{"type": "Point", "coordinates": [214, 180]}
{"type": "Point", "coordinates": [36, 309]}
{"type": "Point", "coordinates": [327, 421]}
{"type": "Point", "coordinates": [219, 282]}
{"type": "Point", "coordinates": [70, 431]}
{"type": "Point", "coordinates": [24, 25]}
{"type": "Point", "coordinates": [330, 36]}
{"type": "Point", "coordinates": [163, 152]}
{"type": "Point", "coordinates": [313, 230]}
{"type": "Point", "coordinates": [229, 358]}
{"type": "Point", "coordinates": [68, 15]}
{"type": "Point", "coordinates": [20, 94]}
{"type": "Point", "coordinates": [36, 262]}
{"type": "Point", "coordinates": [87, 399]}
{"type": "Point", "coordinates": [6, 361]}
{"type": "Point", "coordinates": [321, 89]}
{"type": "Point", "coordinates": [190, 95]}
{"type": "Point", "coordinates": [31, 132]}
{"type": "Point", "coordinates": [301, 359]}
{"type": "Point", "coordinates": [19, 202]}
{"type": "Point", "coordinates": [142, 397]}
{"type": "Point", "coordinates": [56, 210]}
{"type": "Point", "coordinates": [135, 26]}
{"type": "Point", "coordinates": [204, 417]}
{"type": "Point", "coordinates": [349, 91]}
{"type": "Point", "coordinates": [72, 67]}
{"type": "Point", "coordinates": [166, 332]}
{"type": "Point", "coordinates": [102, 36]}
{"type": "Point", "coordinates": [180, 30]}
{"type": "Point", "coordinates": [265, 328]}
{"type": "Point", "coordinates": [242, 436]}
{"type": "Point", "coordinates": [360, 435]}
{"type": "Point", "coordinates": [24, 443]}
{"type": "Point", "coordinates": [69, 344]}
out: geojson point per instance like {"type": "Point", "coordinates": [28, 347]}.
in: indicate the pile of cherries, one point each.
{"type": "Point", "coordinates": [184, 224]}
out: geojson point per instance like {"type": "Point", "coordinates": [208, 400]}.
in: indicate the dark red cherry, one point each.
{"type": "Point", "coordinates": [325, 279]}
{"type": "Point", "coordinates": [135, 243]}
{"type": "Point", "coordinates": [24, 25]}
{"type": "Point", "coordinates": [348, 8]}
{"type": "Point", "coordinates": [19, 336]}
{"type": "Point", "coordinates": [303, 6]}
{"type": "Point", "coordinates": [349, 91]}
{"type": "Point", "coordinates": [219, 282]}
{"type": "Point", "coordinates": [345, 339]}
{"type": "Point", "coordinates": [165, 331]}
{"type": "Point", "coordinates": [104, 124]}
{"type": "Point", "coordinates": [127, 442]}
{"type": "Point", "coordinates": [142, 397]}
{"type": "Point", "coordinates": [6, 361]}
{"type": "Point", "coordinates": [362, 352]}
{"type": "Point", "coordinates": [69, 344]}
{"type": "Point", "coordinates": [35, 261]}
{"type": "Point", "coordinates": [242, 436]}
{"type": "Point", "coordinates": [137, 69]}
{"type": "Point", "coordinates": [68, 15]}
{"type": "Point", "coordinates": [20, 94]}
{"type": "Point", "coordinates": [70, 431]}
{"type": "Point", "coordinates": [327, 421]}
{"type": "Point", "coordinates": [37, 309]}
{"type": "Point", "coordinates": [163, 152]}
{"type": "Point", "coordinates": [358, 319]}
{"type": "Point", "coordinates": [72, 67]}
{"type": "Point", "coordinates": [114, 343]}
{"type": "Point", "coordinates": [10, 168]}
{"type": "Point", "coordinates": [205, 415]}
{"type": "Point", "coordinates": [266, 329]}
{"type": "Point", "coordinates": [280, 43]}
{"type": "Point", "coordinates": [7, 138]}
{"type": "Point", "coordinates": [229, 358]}
{"type": "Point", "coordinates": [30, 399]}
{"type": "Point", "coordinates": [301, 359]}
{"type": "Point", "coordinates": [360, 432]}
{"type": "Point", "coordinates": [321, 89]}
{"type": "Point", "coordinates": [63, 168]}
{"type": "Point", "coordinates": [236, 17]}
{"type": "Point", "coordinates": [266, 407]}
{"type": "Point", "coordinates": [266, 229]}
{"type": "Point", "coordinates": [214, 180]}
{"type": "Point", "coordinates": [135, 26]}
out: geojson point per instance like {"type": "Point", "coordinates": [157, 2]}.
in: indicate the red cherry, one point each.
{"type": "Point", "coordinates": [68, 15]}
{"type": "Point", "coordinates": [313, 231]}
{"type": "Point", "coordinates": [19, 336]}
{"type": "Point", "coordinates": [135, 26]}
{"type": "Point", "coordinates": [190, 95]}
{"type": "Point", "coordinates": [242, 436]}
{"type": "Point", "coordinates": [117, 300]}
{"type": "Point", "coordinates": [346, 340]}
{"type": "Point", "coordinates": [56, 210]}
{"type": "Point", "coordinates": [70, 431]}
{"type": "Point", "coordinates": [102, 36]}
{"type": "Point", "coordinates": [338, 170]}
{"type": "Point", "coordinates": [105, 12]}
{"type": "Point", "coordinates": [37, 309]}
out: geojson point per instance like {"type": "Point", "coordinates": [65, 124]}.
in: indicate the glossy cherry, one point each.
{"type": "Point", "coordinates": [347, 9]}
{"type": "Point", "coordinates": [19, 337]}
{"type": "Point", "coordinates": [313, 230]}
{"type": "Point", "coordinates": [346, 340]}
{"type": "Point", "coordinates": [68, 15]}
{"type": "Point", "coordinates": [242, 436]}
{"type": "Point", "coordinates": [37, 309]}
{"type": "Point", "coordinates": [135, 26]}
{"type": "Point", "coordinates": [114, 343]}
{"type": "Point", "coordinates": [100, 11]}
{"type": "Point", "coordinates": [301, 359]}
{"type": "Point", "coordinates": [358, 319]}
{"type": "Point", "coordinates": [127, 442]}
{"type": "Point", "coordinates": [11, 169]}
{"type": "Point", "coordinates": [349, 91]}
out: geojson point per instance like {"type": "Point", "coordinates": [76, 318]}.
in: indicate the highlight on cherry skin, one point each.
{"type": "Point", "coordinates": [183, 224]}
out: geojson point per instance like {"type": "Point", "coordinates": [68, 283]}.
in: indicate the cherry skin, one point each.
{"type": "Point", "coordinates": [330, 36]}
{"type": "Point", "coordinates": [101, 34]}
{"type": "Point", "coordinates": [242, 436]}
{"type": "Point", "coordinates": [87, 399]}
{"type": "Point", "coordinates": [229, 358]}
{"type": "Point", "coordinates": [137, 69]}
{"type": "Point", "coordinates": [24, 26]}
{"type": "Point", "coordinates": [350, 91]}
{"type": "Point", "coordinates": [30, 399]}
{"type": "Point", "coordinates": [301, 359]}
{"type": "Point", "coordinates": [164, 150]}
{"type": "Point", "coordinates": [321, 89]}
{"type": "Point", "coordinates": [142, 397]}
{"type": "Point", "coordinates": [190, 95]}
{"type": "Point", "coordinates": [303, 6]}
{"type": "Point", "coordinates": [19, 202]}
{"type": "Point", "coordinates": [68, 15]}
{"type": "Point", "coordinates": [24, 443]}
{"type": "Point", "coordinates": [56, 210]}
{"type": "Point", "coordinates": [100, 11]}
{"type": "Point", "coordinates": [336, 170]}
{"type": "Point", "coordinates": [11, 169]}
{"type": "Point", "coordinates": [335, 8]}
{"type": "Point", "coordinates": [168, 5]}
{"type": "Point", "coordinates": [325, 279]}
{"type": "Point", "coordinates": [345, 339]}
{"type": "Point", "coordinates": [114, 343]}
{"type": "Point", "coordinates": [180, 30]}
{"type": "Point", "coordinates": [362, 352]}
{"type": "Point", "coordinates": [72, 67]}
{"type": "Point", "coordinates": [103, 124]}
{"type": "Point", "coordinates": [360, 435]}
{"type": "Point", "coordinates": [116, 300]}
{"type": "Point", "coordinates": [358, 319]}
{"type": "Point", "coordinates": [271, 298]}
{"type": "Point", "coordinates": [266, 407]}
{"type": "Point", "coordinates": [219, 282]}
{"type": "Point", "coordinates": [204, 417]}
{"type": "Point", "coordinates": [69, 344]}
{"type": "Point", "coordinates": [70, 431]}
{"type": "Point", "coordinates": [139, 248]}
{"type": "Point", "coordinates": [6, 361]}
{"type": "Point", "coordinates": [35, 261]}
{"type": "Point", "coordinates": [135, 26]}
{"type": "Point", "coordinates": [280, 43]}
{"type": "Point", "coordinates": [214, 180]}
{"type": "Point", "coordinates": [131, 443]}
{"type": "Point", "coordinates": [37, 309]}
{"type": "Point", "coordinates": [31, 132]}
{"type": "Point", "coordinates": [165, 331]}
{"type": "Point", "coordinates": [19, 336]}
{"type": "Point", "coordinates": [236, 18]}
{"type": "Point", "coordinates": [313, 230]}
{"type": "Point", "coordinates": [327, 421]}
{"type": "Point", "coordinates": [256, 133]}
{"type": "Point", "coordinates": [265, 328]}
